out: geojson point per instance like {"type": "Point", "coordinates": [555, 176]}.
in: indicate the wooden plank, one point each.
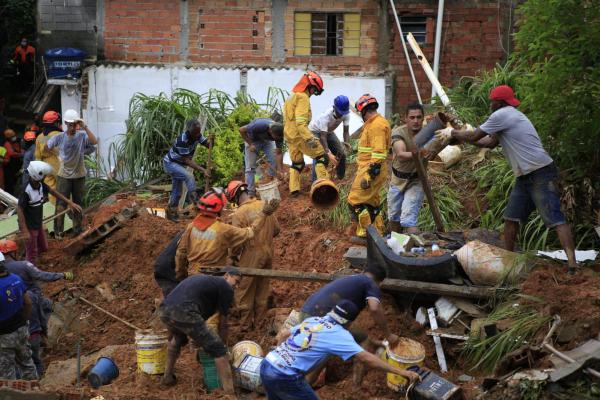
{"type": "Point", "coordinates": [395, 285]}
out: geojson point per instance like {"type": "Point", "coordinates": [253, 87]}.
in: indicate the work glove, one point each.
{"type": "Point", "coordinates": [468, 127]}
{"type": "Point", "coordinates": [444, 134]}
{"type": "Point", "coordinates": [365, 183]}
{"type": "Point", "coordinates": [69, 276]}
{"type": "Point", "coordinates": [270, 207]}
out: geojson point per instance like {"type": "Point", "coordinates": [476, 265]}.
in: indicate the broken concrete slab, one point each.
{"type": "Point", "coordinates": [587, 351]}
{"type": "Point", "coordinates": [356, 256]}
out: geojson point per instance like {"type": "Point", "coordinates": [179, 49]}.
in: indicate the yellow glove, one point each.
{"type": "Point", "coordinates": [445, 133]}
{"type": "Point", "coordinates": [69, 276]}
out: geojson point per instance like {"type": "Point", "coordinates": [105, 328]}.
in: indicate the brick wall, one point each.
{"type": "Point", "coordinates": [142, 30]}
{"type": "Point", "coordinates": [226, 32]}
{"type": "Point", "coordinates": [470, 42]}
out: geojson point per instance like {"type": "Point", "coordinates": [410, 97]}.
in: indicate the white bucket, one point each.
{"type": "Point", "coordinates": [450, 155]}
{"type": "Point", "coordinates": [247, 374]}
{"type": "Point", "coordinates": [486, 264]}
{"type": "Point", "coordinates": [243, 348]}
{"type": "Point", "coordinates": [268, 191]}
{"type": "Point", "coordinates": [151, 349]}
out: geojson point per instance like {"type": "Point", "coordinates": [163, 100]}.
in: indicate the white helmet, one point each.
{"type": "Point", "coordinates": [37, 170]}
{"type": "Point", "coordinates": [71, 116]}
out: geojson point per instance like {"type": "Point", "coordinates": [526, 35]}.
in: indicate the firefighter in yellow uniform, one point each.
{"type": "Point", "coordinates": [364, 198]}
{"type": "Point", "coordinates": [51, 126]}
{"type": "Point", "coordinates": [253, 293]}
{"type": "Point", "coordinates": [206, 240]}
{"type": "Point", "coordinates": [300, 141]}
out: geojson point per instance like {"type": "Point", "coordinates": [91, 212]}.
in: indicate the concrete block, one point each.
{"type": "Point", "coordinates": [76, 3]}
{"type": "Point", "coordinates": [356, 256]}
{"type": "Point", "coordinates": [45, 9]}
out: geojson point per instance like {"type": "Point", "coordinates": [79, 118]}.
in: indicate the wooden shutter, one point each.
{"type": "Point", "coordinates": [351, 34]}
{"type": "Point", "coordinates": [302, 34]}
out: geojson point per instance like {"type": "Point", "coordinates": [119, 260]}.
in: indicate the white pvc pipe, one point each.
{"type": "Point", "coordinates": [438, 44]}
{"type": "Point", "coordinates": [412, 74]}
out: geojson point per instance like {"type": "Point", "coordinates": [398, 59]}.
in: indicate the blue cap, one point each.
{"type": "Point", "coordinates": [341, 105]}
{"type": "Point", "coordinates": [346, 310]}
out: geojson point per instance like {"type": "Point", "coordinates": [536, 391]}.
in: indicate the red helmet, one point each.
{"type": "Point", "coordinates": [29, 136]}
{"type": "Point", "coordinates": [315, 80]}
{"type": "Point", "coordinates": [50, 117]}
{"type": "Point", "coordinates": [7, 246]}
{"type": "Point", "coordinates": [233, 189]}
{"type": "Point", "coordinates": [213, 201]}
{"type": "Point", "coordinates": [364, 101]}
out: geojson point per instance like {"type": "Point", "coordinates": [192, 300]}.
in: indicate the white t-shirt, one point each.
{"type": "Point", "coordinates": [327, 122]}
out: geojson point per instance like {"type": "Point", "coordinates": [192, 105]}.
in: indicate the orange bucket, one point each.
{"type": "Point", "coordinates": [324, 194]}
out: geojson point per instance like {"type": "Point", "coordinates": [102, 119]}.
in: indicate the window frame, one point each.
{"type": "Point", "coordinates": [349, 35]}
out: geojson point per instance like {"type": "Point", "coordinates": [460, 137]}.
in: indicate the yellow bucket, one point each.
{"type": "Point", "coordinates": [241, 349]}
{"type": "Point", "coordinates": [151, 349]}
{"type": "Point", "coordinates": [324, 194]}
{"type": "Point", "coordinates": [406, 353]}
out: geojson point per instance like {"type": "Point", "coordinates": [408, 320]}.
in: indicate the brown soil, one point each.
{"type": "Point", "coordinates": [124, 263]}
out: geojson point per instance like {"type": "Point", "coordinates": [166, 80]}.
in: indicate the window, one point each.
{"type": "Point", "coordinates": [416, 25]}
{"type": "Point", "coordinates": [331, 34]}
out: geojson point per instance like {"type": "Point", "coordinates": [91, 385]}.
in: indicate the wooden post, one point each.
{"type": "Point", "coordinates": [211, 142]}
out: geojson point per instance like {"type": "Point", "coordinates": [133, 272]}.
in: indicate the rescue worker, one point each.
{"type": "Point", "coordinates": [405, 194]}
{"type": "Point", "coordinates": [207, 240]}
{"type": "Point", "coordinates": [364, 198]}
{"type": "Point", "coordinates": [536, 174]}
{"type": "Point", "coordinates": [24, 57]}
{"type": "Point", "coordinates": [13, 159]}
{"type": "Point", "coordinates": [300, 141]}
{"type": "Point", "coordinates": [307, 345]}
{"type": "Point", "coordinates": [253, 294]}
{"type": "Point", "coordinates": [15, 307]}
{"type": "Point", "coordinates": [184, 312]}
{"type": "Point", "coordinates": [266, 135]}
{"type": "Point", "coordinates": [175, 162]}
{"type": "Point", "coordinates": [41, 306]}
{"type": "Point", "coordinates": [51, 126]}
{"type": "Point", "coordinates": [30, 209]}
{"type": "Point", "coordinates": [29, 155]}
{"type": "Point", "coordinates": [324, 128]}
{"type": "Point", "coordinates": [164, 267]}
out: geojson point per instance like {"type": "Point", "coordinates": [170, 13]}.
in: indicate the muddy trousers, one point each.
{"type": "Point", "coordinates": [73, 189]}
{"type": "Point", "coordinates": [365, 203]}
{"type": "Point", "coordinates": [298, 148]}
{"type": "Point", "coordinates": [35, 341]}
{"type": "Point", "coordinates": [15, 353]}
{"type": "Point", "coordinates": [252, 297]}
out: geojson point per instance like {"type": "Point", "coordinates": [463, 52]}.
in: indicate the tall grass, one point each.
{"type": "Point", "coordinates": [450, 207]}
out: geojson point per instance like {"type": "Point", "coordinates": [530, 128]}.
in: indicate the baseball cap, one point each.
{"type": "Point", "coordinates": [344, 311]}
{"type": "Point", "coordinates": [506, 93]}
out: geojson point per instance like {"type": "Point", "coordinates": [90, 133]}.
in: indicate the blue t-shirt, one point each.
{"type": "Point", "coordinates": [309, 343]}
{"type": "Point", "coordinates": [184, 147]}
{"type": "Point", "coordinates": [258, 130]}
{"type": "Point", "coordinates": [356, 288]}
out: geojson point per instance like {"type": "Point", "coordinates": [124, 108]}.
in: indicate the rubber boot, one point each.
{"type": "Point", "coordinates": [379, 224]}
{"type": "Point", "coordinates": [395, 227]}
{"type": "Point", "coordinates": [294, 181]}
{"type": "Point", "coordinates": [169, 378]}
{"type": "Point", "coordinates": [364, 220]}
{"type": "Point", "coordinates": [172, 214]}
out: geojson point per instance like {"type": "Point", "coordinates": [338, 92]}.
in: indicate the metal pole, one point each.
{"type": "Point", "coordinates": [438, 44]}
{"type": "Point", "coordinates": [412, 73]}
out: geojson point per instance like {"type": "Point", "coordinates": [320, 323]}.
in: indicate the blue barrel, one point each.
{"type": "Point", "coordinates": [103, 372]}
{"type": "Point", "coordinates": [64, 62]}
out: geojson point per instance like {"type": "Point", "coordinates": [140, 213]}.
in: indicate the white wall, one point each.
{"type": "Point", "coordinates": [112, 87]}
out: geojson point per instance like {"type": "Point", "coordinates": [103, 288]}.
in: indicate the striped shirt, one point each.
{"type": "Point", "coordinates": [184, 147]}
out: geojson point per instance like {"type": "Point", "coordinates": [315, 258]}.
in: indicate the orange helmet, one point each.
{"type": "Point", "coordinates": [213, 201]}
{"type": "Point", "coordinates": [50, 117]}
{"type": "Point", "coordinates": [234, 188]}
{"type": "Point", "coordinates": [315, 80]}
{"type": "Point", "coordinates": [364, 101]}
{"type": "Point", "coordinates": [29, 136]}
{"type": "Point", "coordinates": [7, 246]}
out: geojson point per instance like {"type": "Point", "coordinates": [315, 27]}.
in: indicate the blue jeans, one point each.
{"type": "Point", "coordinates": [285, 387]}
{"type": "Point", "coordinates": [250, 158]}
{"type": "Point", "coordinates": [404, 206]}
{"type": "Point", "coordinates": [179, 175]}
{"type": "Point", "coordinates": [538, 190]}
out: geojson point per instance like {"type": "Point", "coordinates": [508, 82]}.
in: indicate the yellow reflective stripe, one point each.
{"type": "Point", "coordinates": [365, 149]}
{"type": "Point", "coordinates": [378, 156]}
{"type": "Point", "coordinates": [301, 119]}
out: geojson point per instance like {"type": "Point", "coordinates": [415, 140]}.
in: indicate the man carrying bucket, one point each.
{"type": "Point", "coordinates": [253, 293]}
{"type": "Point", "coordinates": [184, 312]}
{"type": "Point", "coordinates": [310, 343]}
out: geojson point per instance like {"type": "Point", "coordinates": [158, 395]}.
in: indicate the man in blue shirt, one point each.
{"type": "Point", "coordinates": [164, 267]}
{"type": "Point", "coordinates": [361, 289]}
{"type": "Point", "coordinates": [307, 345]}
{"type": "Point", "coordinates": [180, 156]}
{"type": "Point", "coordinates": [266, 135]}
{"type": "Point", "coordinates": [15, 307]}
